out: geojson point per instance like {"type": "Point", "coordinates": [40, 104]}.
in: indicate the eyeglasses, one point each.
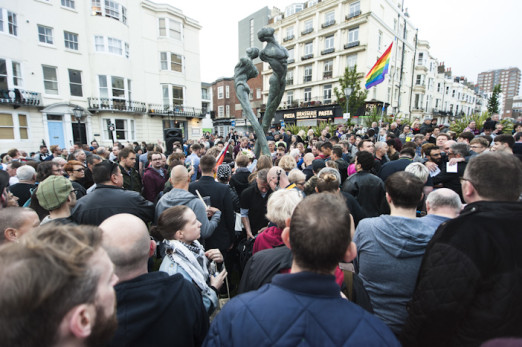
{"type": "Point", "coordinates": [79, 170]}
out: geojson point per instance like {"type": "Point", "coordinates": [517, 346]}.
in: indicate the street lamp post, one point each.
{"type": "Point", "coordinates": [347, 93]}
{"type": "Point", "coordinates": [78, 115]}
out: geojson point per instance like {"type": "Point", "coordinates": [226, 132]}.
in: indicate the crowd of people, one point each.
{"type": "Point", "coordinates": [387, 235]}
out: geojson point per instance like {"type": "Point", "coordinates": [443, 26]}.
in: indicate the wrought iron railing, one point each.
{"type": "Point", "coordinates": [121, 105]}
{"type": "Point", "coordinates": [176, 110]}
{"type": "Point", "coordinates": [20, 97]}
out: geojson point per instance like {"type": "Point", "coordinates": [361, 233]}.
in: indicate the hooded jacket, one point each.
{"type": "Point", "coordinates": [155, 308]}
{"type": "Point", "coordinates": [269, 238]}
{"type": "Point", "coordinates": [177, 197]}
{"type": "Point", "coordinates": [390, 251]}
{"type": "Point", "coordinates": [469, 283]}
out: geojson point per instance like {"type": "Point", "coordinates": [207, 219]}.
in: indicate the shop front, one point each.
{"type": "Point", "coordinates": [309, 116]}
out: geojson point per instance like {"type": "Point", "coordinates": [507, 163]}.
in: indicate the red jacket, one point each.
{"type": "Point", "coordinates": [269, 238]}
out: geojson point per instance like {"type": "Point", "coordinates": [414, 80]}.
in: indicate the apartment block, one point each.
{"type": "Point", "coordinates": [69, 69]}
{"type": "Point", "coordinates": [323, 38]}
{"type": "Point", "coordinates": [509, 80]}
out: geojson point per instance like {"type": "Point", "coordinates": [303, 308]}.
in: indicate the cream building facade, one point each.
{"type": "Point", "coordinates": [74, 71]}
{"type": "Point", "coordinates": [325, 37]}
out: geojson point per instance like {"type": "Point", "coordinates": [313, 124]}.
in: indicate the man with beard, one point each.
{"type": "Point", "coordinates": [57, 289]}
{"type": "Point", "coordinates": [434, 160]}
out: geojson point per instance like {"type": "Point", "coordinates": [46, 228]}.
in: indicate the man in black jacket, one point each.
{"type": "Point", "coordinates": [220, 198]}
{"type": "Point", "coordinates": [109, 198]}
{"type": "Point", "coordinates": [367, 188]}
{"type": "Point", "coordinates": [131, 176]}
{"type": "Point", "coordinates": [469, 284]}
{"type": "Point", "coordinates": [152, 308]}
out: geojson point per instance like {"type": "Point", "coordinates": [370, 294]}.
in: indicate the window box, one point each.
{"type": "Point", "coordinates": [327, 51]}
{"type": "Point", "coordinates": [351, 44]}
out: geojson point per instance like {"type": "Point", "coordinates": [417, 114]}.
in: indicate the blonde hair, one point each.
{"type": "Point", "coordinates": [287, 163]}
{"type": "Point", "coordinates": [281, 205]}
{"type": "Point", "coordinates": [295, 176]}
{"type": "Point", "coordinates": [419, 170]}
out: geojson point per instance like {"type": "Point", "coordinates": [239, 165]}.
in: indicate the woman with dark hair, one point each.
{"type": "Point", "coordinates": [181, 230]}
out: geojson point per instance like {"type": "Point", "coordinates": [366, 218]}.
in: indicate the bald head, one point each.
{"type": "Point", "coordinates": [447, 145]}
{"type": "Point", "coordinates": [179, 177]}
{"type": "Point", "coordinates": [277, 178]}
{"type": "Point", "coordinates": [16, 221]}
{"type": "Point", "coordinates": [308, 159]}
{"type": "Point", "coordinates": [443, 202]}
{"type": "Point", "coordinates": [127, 242]}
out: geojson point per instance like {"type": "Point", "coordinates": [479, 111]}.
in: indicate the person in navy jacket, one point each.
{"type": "Point", "coordinates": [304, 307]}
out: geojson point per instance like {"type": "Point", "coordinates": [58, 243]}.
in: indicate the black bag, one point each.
{"type": "Point", "coordinates": [244, 248]}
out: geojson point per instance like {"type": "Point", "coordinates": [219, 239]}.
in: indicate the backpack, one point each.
{"type": "Point", "coordinates": [244, 248]}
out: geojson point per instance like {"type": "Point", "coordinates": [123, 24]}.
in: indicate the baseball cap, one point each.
{"type": "Point", "coordinates": [53, 192]}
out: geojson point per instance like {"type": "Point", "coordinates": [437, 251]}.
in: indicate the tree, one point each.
{"type": "Point", "coordinates": [357, 97]}
{"type": "Point", "coordinates": [493, 100]}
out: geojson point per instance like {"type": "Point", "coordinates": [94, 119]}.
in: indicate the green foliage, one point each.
{"type": "Point", "coordinates": [375, 116]}
{"type": "Point", "coordinates": [357, 99]}
{"type": "Point", "coordinates": [460, 124]}
{"type": "Point", "coordinates": [294, 129]}
{"type": "Point", "coordinates": [493, 100]}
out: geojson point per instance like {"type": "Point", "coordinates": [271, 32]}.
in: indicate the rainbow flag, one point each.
{"type": "Point", "coordinates": [221, 155]}
{"type": "Point", "coordinates": [376, 74]}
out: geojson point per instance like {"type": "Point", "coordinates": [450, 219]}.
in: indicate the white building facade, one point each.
{"type": "Point", "coordinates": [133, 65]}
{"type": "Point", "coordinates": [436, 93]}
{"type": "Point", "coordinates": [326, 37]}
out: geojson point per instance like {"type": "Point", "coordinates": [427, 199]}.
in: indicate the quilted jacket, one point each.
{"type": "Point", "coordinates": [470, 281]}
{"type": "Point", "coordinates": [303, 309]}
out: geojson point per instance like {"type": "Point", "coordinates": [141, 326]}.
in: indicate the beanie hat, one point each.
{"type": "Point", "coordinates": [224, 172]}
{"type": "Point", "coordinates": [53, 192]}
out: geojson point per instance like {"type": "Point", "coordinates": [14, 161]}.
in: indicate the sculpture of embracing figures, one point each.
{"type": "Point", "coordinates": [276, 56]}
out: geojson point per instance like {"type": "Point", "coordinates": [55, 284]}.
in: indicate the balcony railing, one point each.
{"type": "Point", "coordinates": [290, 82]}
{"type": "Point", "coordinates": [327, 51]}
{"type": "Point", "coordinates": [353, 14]}
{"type": "Point", "coordinates": [327, 74]}
{"type": "Point", "coordinates": [351, 44]}
{"type": "Point", "coordinates": [288, 38]}
{"type": "Point", "coordinates": [176, 110]}
{"type": "Point", "coordinates": [121, 105]}
{"type": "Point", "coordinates": [307, 56]}
{"type": "Point", "coordinates": [328, 24]}
{"type": "Point", "coordinates": [307, 31]}
{"type": "Point", "coordinates": [19, 97]}
{"type": "Point", "coordinates": [307, 78]}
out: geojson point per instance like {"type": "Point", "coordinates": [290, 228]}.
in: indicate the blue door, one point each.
{"type": "Point", "coordinates": [56, 134]}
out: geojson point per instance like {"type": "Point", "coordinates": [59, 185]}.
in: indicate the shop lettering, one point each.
{"type": "Point", "coordinates": [325, 113]}
{"type": "Point", "coordinates": [306, 114]}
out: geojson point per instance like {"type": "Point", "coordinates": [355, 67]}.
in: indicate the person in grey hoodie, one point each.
{"type": "Point", "coordinates": [179, 195]}
{"type": "Point", "coordinates": [390, 249]}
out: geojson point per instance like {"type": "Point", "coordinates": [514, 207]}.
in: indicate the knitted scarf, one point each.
{"type": "Point", "coordinates": [191, 258]}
